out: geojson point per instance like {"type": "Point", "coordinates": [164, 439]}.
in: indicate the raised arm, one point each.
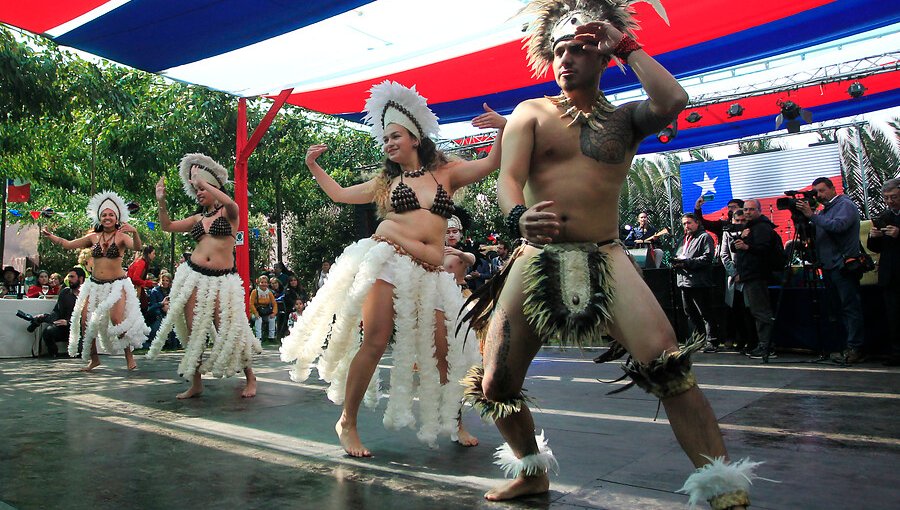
{"type": "Point", "coordinates": [232, 212]}
{"type": "Point", "coordinates": [133, 242]}
{"type": "Point", "coordinates": [165, 223]}
{"type": "Point", "coordinates": [467, 172]}
{"type": "Point", "coordinates": [666, 98]}
{"type": "Point", "coordinates": [362, 193]}
{"type": "Point", "coordinates": [75, 244]}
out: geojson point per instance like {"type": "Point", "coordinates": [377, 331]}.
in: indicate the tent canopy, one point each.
{"type": "Point", "coordinates": [458, 53]}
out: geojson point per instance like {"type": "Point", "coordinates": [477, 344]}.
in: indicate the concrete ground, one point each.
{"type": "Point", "coordinates": [114, 439]}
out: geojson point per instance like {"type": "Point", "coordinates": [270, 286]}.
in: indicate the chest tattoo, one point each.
{"type": "Point", "coordinates": [609, 144]}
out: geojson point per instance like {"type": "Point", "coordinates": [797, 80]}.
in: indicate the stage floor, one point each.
{"type": "Point", "coordinates": [113, 439]}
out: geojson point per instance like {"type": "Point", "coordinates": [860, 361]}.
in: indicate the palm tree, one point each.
{"type": "Point", "coordinates": [880, 158]}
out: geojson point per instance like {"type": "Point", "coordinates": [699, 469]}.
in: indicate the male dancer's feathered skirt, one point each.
{"type": "Point", "coordinates": [334, 317]}
{"type": "Point", "coordinates": [100, 296]}
{"type": "Point", "coordinates": [233, 341]}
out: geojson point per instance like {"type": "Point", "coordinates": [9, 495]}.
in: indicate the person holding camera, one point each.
{"type": "Point", "coordinates": [60, 319]}
{"type": "Point", "coordinates": [754, 251]}
{"type": "Point", "coordinates": [884, 238]}
{"type": "Point", "coordinates": [693, 271]}
{"type": "Point", "coordinates": [263, 307]}
{"type": "Point", "coordinates": [716, 227]}
{"type": "Point", "coordinates": [738, 324]}
{"type": "Point", "coordinates": [837, 240]}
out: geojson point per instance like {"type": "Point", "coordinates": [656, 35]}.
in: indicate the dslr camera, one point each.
{"type": "Point", "coordinates": [35, 322]}
{"type": "Point", "coordinates": [792, 198]}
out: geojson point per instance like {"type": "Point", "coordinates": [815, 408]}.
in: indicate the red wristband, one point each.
{"type": "Point", "coordinates": [625, 47]}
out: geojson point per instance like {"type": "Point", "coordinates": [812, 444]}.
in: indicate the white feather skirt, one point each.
{"type": "Point", "coordinates": [335, 314]}
{"type": "Point", "coordinates": [233, 342]}
{"type": "Point", "coordinates": [99, 299]}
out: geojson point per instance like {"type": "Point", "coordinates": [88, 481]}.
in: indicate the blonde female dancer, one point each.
{"type": "Point", "coordinates": [393, 282]}
{"type": "Point", "coordinates": [207, 296]}
{"type": "Point", "coordinates": [107, 304]}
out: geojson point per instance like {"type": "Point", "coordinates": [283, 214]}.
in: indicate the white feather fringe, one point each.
{"type": "Point", "coordinates": [189, 160]}
{"type": "Point", "coordinates": [97, 204]}
{"type": "Point", "coordinates": [719, 477]}
{"type": "Point", "coordinates": [99, 298]}
{"type": "Point", "coordinates": [336, 312]}
{"type": "Point", "coordinates": [234, 343]}
{"type": "Point", "coordinates": [408, 98]}
{"type": "Point", "coordinates": [529, 465]}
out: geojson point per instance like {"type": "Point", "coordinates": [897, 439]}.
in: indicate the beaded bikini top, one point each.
{"type": "Point", "coordinates": [112, 251]}
{"type": "Point", "coordinates": [404, 199]}
{"type": "Point", "coordinates": [218, 228]}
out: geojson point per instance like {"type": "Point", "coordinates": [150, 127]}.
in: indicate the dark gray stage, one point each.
{"type": "Point", "coordinates": [113, 439]}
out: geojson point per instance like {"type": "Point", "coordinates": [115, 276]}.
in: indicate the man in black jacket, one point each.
{"type": "Point", "coordinates": [693, 269]}
{"type": "Point", "coordinates": [715, 226]}
{"type": "Point", "coordinates": [60, 318]}
{"type": "Point", "coordinates": [883, 239]}
{"type": "Point", "coordinates": [752, 256]}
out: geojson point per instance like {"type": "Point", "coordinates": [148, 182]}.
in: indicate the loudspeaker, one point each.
{"type": "Point", "coordinates": [662, 283]}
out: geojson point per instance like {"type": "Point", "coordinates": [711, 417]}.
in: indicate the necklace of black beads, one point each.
{"type": "Point", "coordinates": [415, 173]}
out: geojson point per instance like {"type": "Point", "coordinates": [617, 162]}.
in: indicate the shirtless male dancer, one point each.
{"type": "Point", "coordinates": [564, 161]}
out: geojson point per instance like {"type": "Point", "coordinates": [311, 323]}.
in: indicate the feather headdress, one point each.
{"type": "Point", "coordinates": [556, 20]}
{"type": "Point", "coordinates": [390, 102]}
{"type": "Point", "coordinates": [210, 171]}
{"type": "Point", "coordinates": [107, 200]}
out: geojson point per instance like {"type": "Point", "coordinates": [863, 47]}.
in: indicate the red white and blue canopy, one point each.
{"type": "Point", "coordinates": [458, 53]}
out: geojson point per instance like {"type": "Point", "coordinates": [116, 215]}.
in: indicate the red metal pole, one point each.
{"type": "Point", "coordinates": [242, 250]}
{"type": "Point", "coordinates": [243, 152]}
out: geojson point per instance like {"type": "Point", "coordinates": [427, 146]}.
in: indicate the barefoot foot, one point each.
{"type": "Point", "coordinates": [350, 440]}
{"type": "Point", "coordinates": [464, 438]}
{"type": "Point", "coordinates": [92, 365]}
{"type": "Point", "coordinates": [193, 391]}
{"type": "Point", "coordinates": [521, 486]}
{"type": "Point", "coordinates": [249, 389]}
{"type": "Point", "coordinates": [132, 365]}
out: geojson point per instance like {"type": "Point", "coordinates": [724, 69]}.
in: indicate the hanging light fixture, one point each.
{"type": "Point", "coordinates": [693, 117]}
{"type": "Point", "coordinates": [735, 110]}
{"type": "Point", "coordinates": [856, 89]}
{"type": "Point", "coordinates": [668, 133]}
{"type": "Point", "coordinates": [791, 114]}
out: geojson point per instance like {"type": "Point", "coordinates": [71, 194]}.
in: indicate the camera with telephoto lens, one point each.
{"type": "Point", "coordinates": [35, 322]}
{"type": "Point", "coordinates": [792, 198]}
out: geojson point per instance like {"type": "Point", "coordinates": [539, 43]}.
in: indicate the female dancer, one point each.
{"type": "Point", "coordinates": [107, 304]}
{"type": "Point", "coordinates": [393, 282]}
{"type": "Point", "coordinates": [207, 296]}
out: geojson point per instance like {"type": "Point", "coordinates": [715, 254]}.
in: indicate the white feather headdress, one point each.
{"type": "Point", "coordinates": [107, 200]}
{"type": "Point", "coordinates": [556, 20]}
{"type": "Point", "coordinates": [210, 171]}
{"type": "Point", "coordinates": [390, 102]}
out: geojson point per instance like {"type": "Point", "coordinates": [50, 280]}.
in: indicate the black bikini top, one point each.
{"type": "Point", "coordinates": [218, 228]}
{"type": "Point", "coordinates": [404, 199]}
{"type": "Point", "coordinates": [112, 251]}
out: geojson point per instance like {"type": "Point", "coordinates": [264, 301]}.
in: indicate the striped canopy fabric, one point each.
{"type": "Point", "coordinates": [458, 53]}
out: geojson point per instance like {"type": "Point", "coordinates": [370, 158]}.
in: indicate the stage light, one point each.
{"type": "Point", "coordinates": [693, 117]}
{"type": "Point", "coordinates": [668, 133]}
{"type": "Point", "coordinates": [791, 114]}
{"type": "Point", "coordinates": [735, 110]}
{"type": "Point", "coordinates": [856, 90]}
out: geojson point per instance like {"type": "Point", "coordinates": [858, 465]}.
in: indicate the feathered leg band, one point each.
{"type": "Point", "coordinates": [723, 484]}
{"type": "Point", "coordinates": [473, 394]}
{"type": "Point", "coordinates": [529, 465]}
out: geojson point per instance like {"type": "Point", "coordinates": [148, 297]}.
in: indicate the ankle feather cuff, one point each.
{"type": "Point", "coordinates": [723, 484]}
{"type": "Point", "coordinates": [529, 465]}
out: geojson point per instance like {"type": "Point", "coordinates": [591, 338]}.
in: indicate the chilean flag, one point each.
{"type": "Point", "coordinates": [765, 176]}
{"type": "Point", "coordinates": [17, 190]}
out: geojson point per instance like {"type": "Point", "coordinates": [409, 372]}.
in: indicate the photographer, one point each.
{"type": "Point", "coordinates": [753, 255]}
{"type": "Point", "coordinates": [715, 226]}
{"type": "Point", "coordinates": [837, 239]}
{"type": "Point", "coordinates": [60, 319]}
{"type": "Point", "coordinates": [693, 268]}
{"type": "Point", "coordinates": [884, 238]}
{"type": "Point", "coordinates": [739, 325]}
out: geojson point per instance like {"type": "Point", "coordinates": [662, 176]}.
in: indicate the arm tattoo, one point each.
{"type": "Point", "coordinates": [646, 122]}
